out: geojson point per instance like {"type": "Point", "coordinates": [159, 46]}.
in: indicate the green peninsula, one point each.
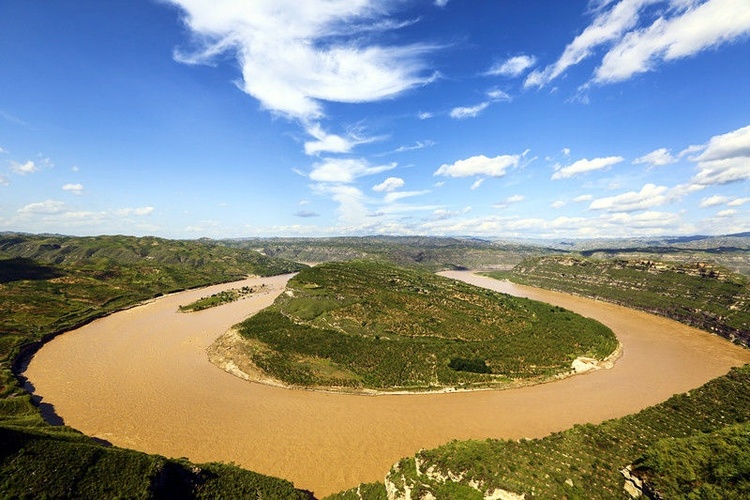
{"type": "Point", "coordinates": [364, 325]}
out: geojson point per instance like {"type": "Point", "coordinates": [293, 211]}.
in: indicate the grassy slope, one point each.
{"type": "Point", "coordinates": [701, 295]}
{"type": "Point", "coordinates": [52, 284]}
{"type": "Point", "coordinates": [372, 325]}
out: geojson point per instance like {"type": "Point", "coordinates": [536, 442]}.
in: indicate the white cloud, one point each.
{"type": "Point", "coordinates": [479, 165]}
{"type": "Point", "coordinates": [398, 195]}
{"type": "Point", "coordinates": [582, 198]}
{"type": "Point", "coordinates": [692, 29]}
{"type": "Point", "coordinates": [477, 184]}
{"type": "Point", "coordinates": [738, 202]}
{"type": "Point", "coordinates": [725, 159]}
{"type": "Point", "coordinates": [607, 26]}
{"type": "Point", "coordinates": [139, 211]}
{"type": "Point", "coordinates": [4, 181]}
{"type": "Point", "coordinates": [47, 207]}
{"type": "Point", "coordinates": [558, 204]}
{"type": "Point", "coordinates": [332, 143]}
{"type": "Point", "coordinates": [712, 201]}
{"type": "Point", "coordinates": [352, 209]}
{"type": "Point", "coordinates": [726, 213]}
{"type": "Point", "coordinates": [390, 184]}
{"type": "Point", "coordinates": [28, 167]}
{"type": "Point", "coordinates": [649, 196]}
{"type": "Point", "coordinates": [509, 201]}
{"type": "Point", "coordinates": [425, 115]}
{"type": "Point", "coordinates": [345, 170]}
{"type": "Point", "coordinates": [584, 166]}
{"type": "Point", "coordinates": [656, 158]}
{"type": "Point", "coordinates": [462, 112]}
{"type": "Point", "coordinates": [497, 95]}
{"type": "Point", "coordinates": [513, 66]}
{"type": "Point", "coordinates": [441, 3]}
{"type": "Point", "coordinates": [638, 38]}
{"type": "Point", "coordinates": [295, 55]}
{"type": "Point", "coordinates": [76, 189]}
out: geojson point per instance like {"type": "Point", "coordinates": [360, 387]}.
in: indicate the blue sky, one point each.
{"type": "Point", "coordinates": [490, 118]}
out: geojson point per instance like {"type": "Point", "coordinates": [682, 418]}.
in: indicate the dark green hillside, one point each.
{"type": "Point", "coordinates": [52, 284]}
{"type": "Point", "coordinates": [586, 461]}
{"type": "Point", "coordinates": [703, 295]}
{"type": "Point", "coordinates": [369, 325]}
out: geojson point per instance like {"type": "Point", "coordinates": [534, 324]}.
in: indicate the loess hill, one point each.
{"type": "Point", "coordinates": [368, 325]}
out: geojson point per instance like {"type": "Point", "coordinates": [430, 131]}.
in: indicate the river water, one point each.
{"type": "Point", "coordinates": [141, 379]}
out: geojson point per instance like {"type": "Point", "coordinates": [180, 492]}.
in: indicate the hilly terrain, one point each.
{"type": "Point", "coordinates": [50, 284]}
{"type": "Point", "coordinates": [369, 325]}
{"type": "Point", "coordinates": [700, 294]}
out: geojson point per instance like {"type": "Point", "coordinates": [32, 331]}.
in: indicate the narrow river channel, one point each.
{"type": "Point", "coordinates": [141, 379]}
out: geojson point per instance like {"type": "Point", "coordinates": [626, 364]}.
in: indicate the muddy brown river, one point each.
{"type": "Point", "coordinates": [141, 379]}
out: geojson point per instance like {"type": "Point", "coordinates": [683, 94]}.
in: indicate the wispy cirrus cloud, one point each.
{"type": "Point", "coordinates": [345, 170]}
{"type": "Point", "coordinates": [639, 35]}
{"type": "Point", "coordinates": [295, 56]}
{"type": "Point", "coordinates": [513, 66]}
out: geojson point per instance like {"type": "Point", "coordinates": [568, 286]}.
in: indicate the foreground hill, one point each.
{"type": "Point", "coordinates": [691, 446]}
{"type": "Point", "coordinates": [50, 284]}
{"type": "Point", "coordinates": [699, 294]}
{"type": "Point", "coordinates": [367, 325]}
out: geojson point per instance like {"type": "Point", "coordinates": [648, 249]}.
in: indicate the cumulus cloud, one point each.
{"type": "Point", "coordinates": [479, 165]}
{"type": "Point", "coordinates": [513, 66]}
{"type": "Point", "coordinates": [28, 167]}
{"type": "Point", "coordinates": [345, 170]}
{"type": "Point", "coordinates": [46, 207]}
{"type": "Point", "coordinates": [295, 55]}
{"type": "Point", "coordinates": [656, 158]}
{"type": "Point", "coordinates": [738, 202]}
{"type": "Point", "coordinates": [390, 184]}
{"type": "Point", "coordinates": [725, 159]}
{"type": "Point", "coordinates": [649, 196]}
{"type": "Point", "coordinates": [76, 189]}
{"type": "Point", "coordinates": [558, 204]}
{"type": "Point", "coordinates": [584, 166]}
{"type": "Point", "coordinates": [638, 37]}
{"type": "Point", "coordinates": [582, 198]}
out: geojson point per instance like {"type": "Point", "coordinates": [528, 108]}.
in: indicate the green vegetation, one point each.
{"type": "Point", "coordinates": [50, 284]}
{"type": "Point", "coordinates": [53, 464]}
{"type": "Point", "coordinates": [715, 465]}
{"type": "Point", "coordinates": [364, 324]}
{"type": "Point", "coordinates": [698, 294]}
{"type": "Point", "coordinates": [586, 461]}
{"type": "Point", "coordinates": [220, 298]}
